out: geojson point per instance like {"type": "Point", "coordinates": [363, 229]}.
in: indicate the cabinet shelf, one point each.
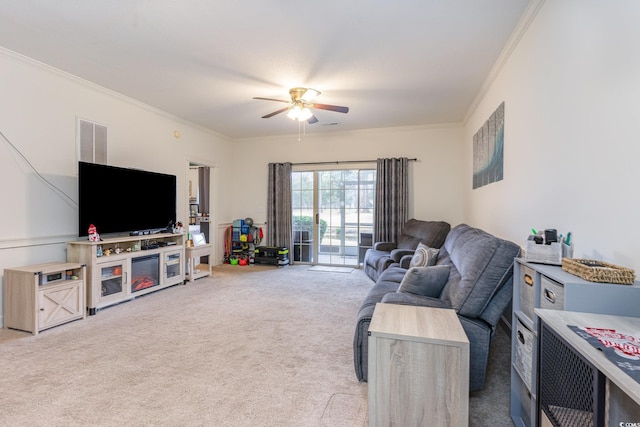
{"type": "Point", "coordinates": [59, 284]}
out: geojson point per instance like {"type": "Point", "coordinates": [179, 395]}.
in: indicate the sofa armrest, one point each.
{"type": "Point", "coordinates": [397, 254]}
{"type": "Point", "coordinates": [405, 261]}
{"type": "Point", "coordinates": [385, 246]}
{"type": "Point", "coordinates": [404, 298]}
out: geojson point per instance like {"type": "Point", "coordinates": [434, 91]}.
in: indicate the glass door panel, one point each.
{"type": "Point", "coordinates": [302, 204]}
{"type": "Point", "coordinates": [332, 215]}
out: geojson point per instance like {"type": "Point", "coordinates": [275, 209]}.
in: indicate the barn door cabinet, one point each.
{"type": "Point", "coordinates": [42, 296]}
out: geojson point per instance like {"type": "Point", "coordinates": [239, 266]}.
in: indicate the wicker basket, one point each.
{"type": "Point", "coordinates": [598, 271]}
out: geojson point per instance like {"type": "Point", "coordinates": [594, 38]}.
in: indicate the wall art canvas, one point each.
{"type": "Point", "coordinates": [488, 150]}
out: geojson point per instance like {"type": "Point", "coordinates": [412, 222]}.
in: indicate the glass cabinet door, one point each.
{"type": "Point", "coordinates": [113, 278]}
{"type": "Point", "coordinates": [173, 265]}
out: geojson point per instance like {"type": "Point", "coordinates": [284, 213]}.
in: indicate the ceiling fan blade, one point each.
{"type": "Point", "coordinates": [309, 94]}
{"type": "Point", "coordinates": [311, 120]}
{"type": "Point", "coordinates": [271, 99]}
{"type": "Point", "coordinates": [282, 110]}
{"type": "Point", "coordinates": [335, 108]}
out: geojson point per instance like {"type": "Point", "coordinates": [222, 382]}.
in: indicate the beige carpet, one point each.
{"type": "Point", "coordinates": [250, 346]}
{"type": "Point", "coordinates": [329, 269]}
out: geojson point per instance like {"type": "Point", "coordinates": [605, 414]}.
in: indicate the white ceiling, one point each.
{"type": "Point", "coordinates": [404, 63]}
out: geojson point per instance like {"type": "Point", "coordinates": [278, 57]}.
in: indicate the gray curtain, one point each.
{"type": "Point", "coordinates": [279, 223]}
{"type": "Point", "coordinates": [204, 180]}
{"type": "Point", "coordinates": [392, 199]}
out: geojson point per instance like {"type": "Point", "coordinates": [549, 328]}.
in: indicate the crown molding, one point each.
{"type": "Point", "coordinates": [513, 42]}
{"type": "Point", "coordinates": [96, 87]}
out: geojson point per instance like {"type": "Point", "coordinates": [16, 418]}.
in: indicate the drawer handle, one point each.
{"type": "Point", "coordinates": [549, 295]}
{"type": "Point", "coordinates": [520, 337]}
{"type": "Point", "coordinates": [528, 280]}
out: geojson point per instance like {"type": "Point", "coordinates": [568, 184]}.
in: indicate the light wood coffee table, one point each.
{"type": "Point", "coordinates": [418, 367]}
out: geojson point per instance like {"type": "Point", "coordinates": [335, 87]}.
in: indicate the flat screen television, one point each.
{"type": "Point", "coordinates": [122, 201]}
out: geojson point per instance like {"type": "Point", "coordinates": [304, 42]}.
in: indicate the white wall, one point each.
{"type": "Point", "coordinates": [436, 180]}
{"type": "Point", "coordinates": [572, 107]}
{"type": "Point", "coordinates": [38, 110]}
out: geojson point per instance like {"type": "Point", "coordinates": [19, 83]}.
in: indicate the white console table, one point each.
{"type": "Point", "coordinates": [195, 270]}
{"type": "Point", "coordinates": [418, 367]}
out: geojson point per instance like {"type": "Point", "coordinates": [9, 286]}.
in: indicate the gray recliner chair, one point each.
{"type": "Point", "coordinates": [479, 288]}
{"type": "Point", "coordinates": [383, 254]}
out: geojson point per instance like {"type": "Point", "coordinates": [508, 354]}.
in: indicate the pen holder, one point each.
{"type": "Point", "coordinates": [547, 254]}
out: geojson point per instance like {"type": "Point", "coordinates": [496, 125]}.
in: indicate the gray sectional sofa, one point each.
{"type": "Point", "coordinates": [478, 287]}
{"type": "Point", "coordinates": [383, 254]}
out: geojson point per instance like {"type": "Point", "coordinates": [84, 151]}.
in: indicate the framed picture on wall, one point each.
{"type": "Point", "coordinates": [488, 150]}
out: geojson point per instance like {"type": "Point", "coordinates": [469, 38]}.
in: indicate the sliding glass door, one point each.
{"type": "Point", "coordinates": [333, 215]}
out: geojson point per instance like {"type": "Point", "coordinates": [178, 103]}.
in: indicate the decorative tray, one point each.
{"type": "Point", "coordinates": [598, 271]}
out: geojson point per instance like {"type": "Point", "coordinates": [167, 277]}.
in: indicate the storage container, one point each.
{"type": "Point", "coordinates": [527, 293]}
{"type": "Point", "coordinates": [524, 353]}
{"type": "Point", "coordinates": [551, 294]}
{"type": "Point", "coordinates": [525, 404]}
{"type": "Point", "coordinates": [547, 254]}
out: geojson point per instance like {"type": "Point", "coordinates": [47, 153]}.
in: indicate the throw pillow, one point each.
{"type": "Point", "coordinates": [424, 256]}
{"type": "Point", "coordinates": [425, 281]}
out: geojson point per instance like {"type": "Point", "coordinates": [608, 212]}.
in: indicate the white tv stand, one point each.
{"type": "Point", "coordinates": [125, 270]}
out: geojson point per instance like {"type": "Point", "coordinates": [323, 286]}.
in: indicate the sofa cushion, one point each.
{"type": "Point", "coordinates": [383, 254]}
{"type": "Point", "coordinates": [424, 256]}
{"type": "Point", "coordinates": [479, 263]}
{"type": "Point", "coordinates": [415, 231]}
{"type": "Point", "coordinates": [425, 281]}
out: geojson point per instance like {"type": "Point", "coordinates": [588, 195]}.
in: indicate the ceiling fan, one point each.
{"type": "Point", "coordinates": [300, 105]}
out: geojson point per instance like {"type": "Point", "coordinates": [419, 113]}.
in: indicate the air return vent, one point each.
{"type": "Point", "coordinates": [92, 142]}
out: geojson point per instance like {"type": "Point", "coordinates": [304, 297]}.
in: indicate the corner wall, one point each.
{"type": "Point", "coordinates": [571, 90]}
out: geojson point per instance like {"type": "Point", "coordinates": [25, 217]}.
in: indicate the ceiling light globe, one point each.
{"type": "Point", "coordinates": [294, 113]}
{"type": "Point", "coordinates": [305, 114]}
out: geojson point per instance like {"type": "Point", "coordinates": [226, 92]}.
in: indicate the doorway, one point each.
{"type": "Point", "coordinates": [332, 213]}
{"type": "Point", "coordinates": [199, 199]}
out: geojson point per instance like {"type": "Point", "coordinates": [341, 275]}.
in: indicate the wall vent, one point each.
{"type": "Point", "coordinates": [92, 142]}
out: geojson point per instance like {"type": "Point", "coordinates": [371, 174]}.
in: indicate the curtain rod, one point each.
{"type": "Point", "coordinates": [340, 162]}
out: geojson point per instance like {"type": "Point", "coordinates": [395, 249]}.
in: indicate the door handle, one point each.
{"type": "Point", "coordinates": [317, 218]}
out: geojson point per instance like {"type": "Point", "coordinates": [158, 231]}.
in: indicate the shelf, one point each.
{"type": "Point", "coordinates": [58, 284]}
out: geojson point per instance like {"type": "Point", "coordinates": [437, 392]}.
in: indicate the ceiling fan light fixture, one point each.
{"type": "Point", "coordinates": [299, 113]}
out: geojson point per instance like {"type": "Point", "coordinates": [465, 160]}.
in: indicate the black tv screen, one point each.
{"type": "Point", "coordinates": [121, 200]}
